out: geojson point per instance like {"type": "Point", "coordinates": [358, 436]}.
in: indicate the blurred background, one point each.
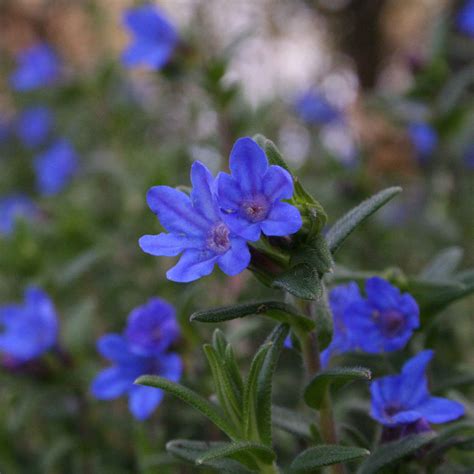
{"type": "Point", "coordinates": [358, 95]}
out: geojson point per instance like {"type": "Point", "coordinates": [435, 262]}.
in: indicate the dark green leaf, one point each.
{"type": "Point", "coordinates": [291, 421]}
{"type": "Point", "coordinates": [204, 406]}
{"type": "Point", "coordinates": [325, 455]}
{"type": "Point", "coordinates": [190, 451]}
{"type": "Point", "coordinates": [346, 224]}
{"type": "Point", "coordinates": [301, 281]}
{"type": "Point", "coordinates": [261, 452]}
{"type": "Point", "coordinates": [277, 310]}
{"type": "Point", "coordinates": [316, 254]}
{"type": "Point", "coordinates": [315, 391]}
{"type": "Point", "coordinates": [443, 264]}
{"type": "Point", "coordinates": [393, 452]}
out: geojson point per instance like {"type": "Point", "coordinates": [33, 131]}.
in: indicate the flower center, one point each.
{"type": "Point", "coordinates": [218, 238]}
{"type": "Point", "coordinates": [392, 322]}
{"type": "Point", "coordinates": [255, 209]}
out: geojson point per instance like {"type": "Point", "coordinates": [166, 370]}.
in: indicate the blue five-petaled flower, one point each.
{"type": "Point", "coordinates": [251, 197]}
{"type": "Point", "coordinates": [313, 108]}
{"type": "Point", "coordinates": [38, 66]}
{"type": "Point", "coordinates": [424, 139]}
{"type": "Point", "coordinates": [140, 350]}
{"type": "Point", "coordinates": [34, 125]}
{"type": "Point", "coordinates": [404, 399]}
{"type": "Point", "coordinates": [29, 329]}
{"type": "Point", "coordinates": [155, 38]}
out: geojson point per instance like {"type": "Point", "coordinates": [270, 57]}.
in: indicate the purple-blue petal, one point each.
{"type": "Point", "coordinates": [202, 196]}
{"type": "Point", "coordinates": [236, 259]}
{"type": "Point", "coordinates": [440, 410]}
{"type": "Point", "coordinates": [283, 219]}
{"type": "Point", "coordinates": [143, 401]}
{"type": "Point", "coordinates": [277, 183]}
{"type": "Point", "coordinates": [110, 383]}
{"type": "Point", "coordinates": [144, 53]}
{"type": "Point", "coordinates": [168, 245]}
{"type": "Point", "coordinates": [242, 227]}
{"type": "Point", "coordinates": [381, 293]}
{"type": "Point", "coordinates": [113, 347]}
{"type": "Point", "coordinates": [230, 194]}
{"type": "Point", "coordinates": [192, 265]}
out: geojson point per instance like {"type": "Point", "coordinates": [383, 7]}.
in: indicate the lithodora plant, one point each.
{"type": "Point", "coordinates": [260, 217]}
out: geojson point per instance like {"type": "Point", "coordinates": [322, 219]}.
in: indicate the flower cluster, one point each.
{"type": "Point", "coordinates": [29, 329]}
{"type": "Point", "coordinates": [382, 321]}
{"type": "Point", "coordinates": [155, 38]}
{"type": "Point", "coordinates": [213, 224]}
{"type": "Point", "coordinates": [403, 403]}
{"type": "Point", "coordinates": [142, 348]}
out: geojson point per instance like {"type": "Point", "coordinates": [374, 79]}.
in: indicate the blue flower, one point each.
{"type": "Point", "coordinates": [5, 129]}
{"type": "Point", "coordinates": [55, 167]}
{"type": "Point", "coordinates": [152, 327]}
{"type": "Point", "coordinates": [14, 207]}
{"type": "Point", "coordinates": [313, 108]}
{"type": "Point", "coordinates": [424, 139]}
{"type": "Point", "coordinates": [29, 329]}
{"type": "Point", "coordinates": [34, 126]}
{"type": "Point", "coordinates": [465, 18]}
{"type": "Point", "coordinates": [404, 399]}
{"type": "Point", "coordinates": [117, 380]}
{"type": "Point", "coordinates": [37, 66]}
{"type": "Point", "coordinates": [340, 298]}
{"type": "Point", "coordinates": [251, 197]}
{"type": "Point", "coordinates": [195, 229]}
{"type": "Point", "coordinates": [468, 157]}
{"type": "Point", "coordinates": [384, 321]}
{"type": "Point", "coordinates": [155, 37]}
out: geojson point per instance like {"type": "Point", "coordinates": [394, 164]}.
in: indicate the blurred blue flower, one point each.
{"type": "Point", "coordinates": [5, 129]}
{"type": "Point", "coordinates": [468, 157]}
{"type": "Point", "coordinates": [340, 298]}
{"type": "Point", "coordinates": [152, 327]}
{"type": "Point", "coordinates": [155, 38]}
{"type": "Point", "coordinates": [195, 229]}
{"type": "Point", "coordinates": [34, 125]}
{"type": "Point", "coordinates": [14, 207]}
{"type": "Point", "coordinates": [55, 167]}
{"type": "Point", "coordinates": [37, 66]}
{"type": "Point", "coordinates": [465, 18]}
{"type": "Point", "coordinates": [313, 108]}
{"type": "Point", "coordinates": [384, 321]}
{"type": "Point", "coordinates": [29, 329]}
{"type": "Point", "coordinates": [404, 399]}
{"type": "Point", "coordinates": [251, 197]}
{"type": "Point", "coordinates": [424, 139]}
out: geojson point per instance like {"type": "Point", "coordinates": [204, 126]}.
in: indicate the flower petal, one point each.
{"type": "Point", "coordinates": [175, 212]}
{"type": "Point", "coordinates": [111, 383]}
{"type": "Point", "coordinates": [113, 347]}
{"type": "Point", "coordinates": [145, 53]}
{"type": "Point", "coordinates": [172, 367]}
{"type": "Point", "coordinates": [242, 227]}
{"type": "Point", "coordinates": [202, 194]}
{"type": "Point", "coordinates": [192, 265]}
{"type": "Point", "coordinates": [440, 410]}
{"type": "Point", "coordinates": [144, 400]}
{"type": "Point", "coordinates": [229, 192]}
{"type": "Point", "coordinates": [236, 259]}
{"type": "Point", "coordinates": [408, 416]}
{"type": "Point", "coordinates": [381, 293]}
{"type": "Point", "coordinates": [248, 164]}
{"type": "Point", "coordinates": [283, 219]}
{"type": "Point", "coordinates": [277, 183]}
{"type": "Point", "coordinates": [167, 245]}
{"type": "Point", "coordinates": [149, 22]}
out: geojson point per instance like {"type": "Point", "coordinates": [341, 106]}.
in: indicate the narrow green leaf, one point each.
{"type": "Point", "coordinates": [219, 342]}
{"type": "Point", "coordinates": [276, 310]}
{"type": "Point", "coordinates": [190, 451]}
{"type": "Point", "coordinates": [199, 403]}
{"type": "Point", "coordinates": [346, 224]}
{"type": "Point", "coordinates": [443, 264]}
{"type": "Point", "coordinates": [291, 421]}
{"type": "Point", "coordinates": [229, 398]}
{"type": "Point", "coordinates": [393, 452]}
{"type": "Point", "coordinates": [261, 452]}
{"type": "Point", "coordinates": [325, 455]}
{"type": "Point", "coordinates": [316, 389]}
{"type": "Point", "coordinates": [316, 254]}
{"type": "Point", "coordinates": [302, 281]}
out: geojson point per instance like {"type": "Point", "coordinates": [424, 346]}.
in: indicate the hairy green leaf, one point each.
{"type": "Point", "coordinates": [276, 310]}
{"type": "Point", "coordinates": [261, 452]}
{"type": "Point", "coordinates": [391, 453]}
{"type": "Point", "coordinates": [291, 421]}
{"type": "Point", "coordinates": [302, 281]}
{"type": "Point", "coordinates": [315, 391]}
{"type": "Point", "coordinates": [204, 406]}
{"type": "Point", "coordinates": [325, 455]}
{"type": "Point", "coordinates": [346, 224]}
{"type": "Point", "coordinates": [443, 264]}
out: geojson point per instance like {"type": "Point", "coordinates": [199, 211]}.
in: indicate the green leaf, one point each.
{"type": "Point", "coordinates": [276, 310]}
{"type": "Point", "coordinates": [316, 254]}
{"type": "Point", "coordinates": [346, 224]}
{"type": "Point", "coordinates": [193, 399]}
{"type": "Point", "coordinates": [443, 264]}
{"type": "Point", "coordinates": [315, 391]}
{"type": "Point", "coordinates": [261, 452]}
{"type": "Point", "coordinates": [391, 453]}
{"type": "Point", "coordinates": [190, 451]}
{"type": "Point", "coordinates": [301, 281]}
{"type": "Point", "coordinates": [325, 455]}
{"type": "Point", "coordinates": [230, 399]}
{"type": "Point", "coordinates": [258, 389]}
{"type": "Point", "coordinates": [273, 154]}
{"type": "Point", "coordinates": [291, 421]}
